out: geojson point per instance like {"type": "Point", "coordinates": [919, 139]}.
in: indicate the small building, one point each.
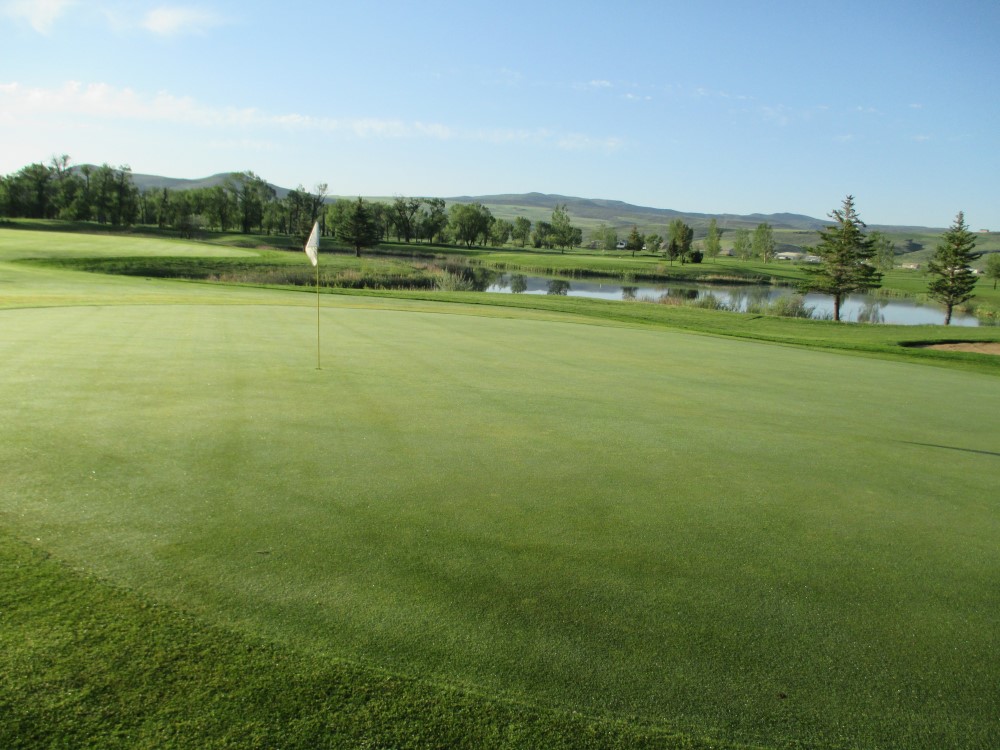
{"type": "Point", "coordinates": [911, 266]}
{"type": "Point", "coordinates": [789, 255]}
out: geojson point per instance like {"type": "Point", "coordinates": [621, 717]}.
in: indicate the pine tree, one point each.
{"type": "Point", "coordinates": [951, 264]}
{"type": "Point", "coordinates": [357, 228]}
{"type": "Point", "coordinates": [846, 253]}
{"type": "Point", "coordinates": [635, 241]}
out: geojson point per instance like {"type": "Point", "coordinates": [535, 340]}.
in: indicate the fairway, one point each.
{"type": "Point", "coordinates": [752, 542]}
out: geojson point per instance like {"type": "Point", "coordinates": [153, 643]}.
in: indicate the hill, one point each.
{"type": "Point", "coordinates": [795, 230]}
{"type": "Point", "coordinates": [157, 182]}
{"type": "Point", "coordinates": [619, 213]}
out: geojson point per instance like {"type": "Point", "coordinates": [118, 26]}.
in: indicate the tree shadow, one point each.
{"type": "Point", "coordinates": [951, 448]}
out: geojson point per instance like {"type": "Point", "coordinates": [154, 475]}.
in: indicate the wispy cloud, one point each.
{"type": "Point", "coordinates": [162, 20]}
{"type": "Point", "coordinates": [104, 102]}
{"type": "Point", "coordinates": [170, 20]}
{"type": "Point", "coordinates": [40, 14]}
{"type": "Point", "coordinates": [921, 138]}
{"type": "Point", "coordinates": [581, 142]}
{"type": "Point", "coordinates": [597, 84]}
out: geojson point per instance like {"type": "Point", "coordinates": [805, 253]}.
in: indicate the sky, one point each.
{"type": "Point", "coordinates": [711, 107]}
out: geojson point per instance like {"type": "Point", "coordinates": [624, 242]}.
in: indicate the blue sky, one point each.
{"type": "Point", "coordinates": [715, 107]}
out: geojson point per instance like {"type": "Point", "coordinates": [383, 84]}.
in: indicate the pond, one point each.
{"type": "Point", "coordinates": [863, 308]}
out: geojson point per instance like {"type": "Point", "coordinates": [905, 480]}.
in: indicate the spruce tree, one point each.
{"type": "Point", "coordinates": [846, 253]}
{"type": "Point", "coordinates": [951, 264]}
{"type": "Point", "coordinates": [357, 228]}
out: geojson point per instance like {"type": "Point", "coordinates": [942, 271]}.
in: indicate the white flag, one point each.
{"type": "Point", "coordinates": [312, 244]}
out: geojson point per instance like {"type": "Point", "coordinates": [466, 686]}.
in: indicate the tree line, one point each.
{"type": "Point", "coordinates": [850, 258]}
{"type": "Point", "coordinates": [247, 203]}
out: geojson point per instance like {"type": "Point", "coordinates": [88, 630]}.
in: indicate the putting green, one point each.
{"type": "Point", "coordinates": [752, 541]}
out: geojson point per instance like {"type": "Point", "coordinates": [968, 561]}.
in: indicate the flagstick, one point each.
{"type": "Point", "coordinates": [318, 367]}
{"type": "Point", "coordinates": [312, 250]}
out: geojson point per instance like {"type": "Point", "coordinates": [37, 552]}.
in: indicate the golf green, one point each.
{"type": "Point", "coordinates": [761, 543]}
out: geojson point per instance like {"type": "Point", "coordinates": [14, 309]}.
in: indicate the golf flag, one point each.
{"type": "Point", "coordinates": [312, 245]}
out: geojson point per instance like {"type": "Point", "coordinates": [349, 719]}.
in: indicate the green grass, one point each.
{"type": "Point", "coordinates": [482, 519]}
{"type": "Point", "coordinates": [90, 665]}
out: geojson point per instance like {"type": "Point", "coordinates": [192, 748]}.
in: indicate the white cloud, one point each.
{"type": "Point", "coordinates": [169, 20]}
{"type": "Point", "coordinates": [100, 101]}
{"type": "Point", "coordinates": [779, 115]}
{"type": "Point", "coordinates": [41, 14]}
{"type": "Point", "coordinates": [921, 138]}
{"type": "Point", "coordinates": [581, 142]}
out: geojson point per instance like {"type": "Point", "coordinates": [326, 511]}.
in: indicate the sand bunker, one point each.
{"type": "Point", "coordinates": [980, 347]}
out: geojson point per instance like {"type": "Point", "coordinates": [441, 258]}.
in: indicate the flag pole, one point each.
{"type": "Point", "coordinates": [312, 250]}
{"type": "Point", "coordinates": [318, 367]}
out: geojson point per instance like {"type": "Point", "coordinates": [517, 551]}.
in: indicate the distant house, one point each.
{"type": "Point", "coordinates": [911, 266]}
{"type": "Point", "coordinates": [984, 231]}
{"type": "Point", "coordinates": [812, 259]}
{"type": "Point", "coordinates": [789, 256]}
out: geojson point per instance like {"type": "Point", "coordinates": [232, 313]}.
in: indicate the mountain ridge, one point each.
{"type": "Point", "coordinates": [615, 213]}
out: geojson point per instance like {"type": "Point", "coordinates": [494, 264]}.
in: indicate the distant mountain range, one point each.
{"type": "Point", "coordinates": [589, 212]}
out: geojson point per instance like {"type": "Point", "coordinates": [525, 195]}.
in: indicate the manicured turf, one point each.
{"type": "Point", "coordinates": [730, 539]}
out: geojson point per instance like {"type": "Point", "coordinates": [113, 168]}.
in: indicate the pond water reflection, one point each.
{"type": "Point", "coordinates": [862, 308]}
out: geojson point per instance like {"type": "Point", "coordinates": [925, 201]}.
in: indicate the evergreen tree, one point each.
{"type": "Point", "coordinates": [635, 241]}
{"type": "Point", "coordinates": [357, 228]}
{"type": "Point", "coordinates": [846, 253]}
{"type": "Point", "coordinates": [681, 236]}
{"type": "Point", "coordinates": [951, 264]}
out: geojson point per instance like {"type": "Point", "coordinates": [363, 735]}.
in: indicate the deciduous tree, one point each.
{"type": "Point", "coordinates": [562, 231]}
{"type": "Point", "coordinates": [606, 238]}
{"type": "Point", "coordinates": [885, 251]}
{"type": "Point", "coordinates": [993, 267]}
{"type": "Point", "coordinates": [713, 243]}
{"type": "Point", "coordinates": [470, 223]}
{"type": "Point", "coordinates": [404, 217]}
{"type": "Point", "coordinates": [742, 244]}
{"type": "Point", "coordinates": [521, 233]}
{"type": "Point", "coordinates": [432, 220]}
{"type": "Point", "coordinates": [763, 242]}
{"type": "Point", "coordinates": [500, 232]}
